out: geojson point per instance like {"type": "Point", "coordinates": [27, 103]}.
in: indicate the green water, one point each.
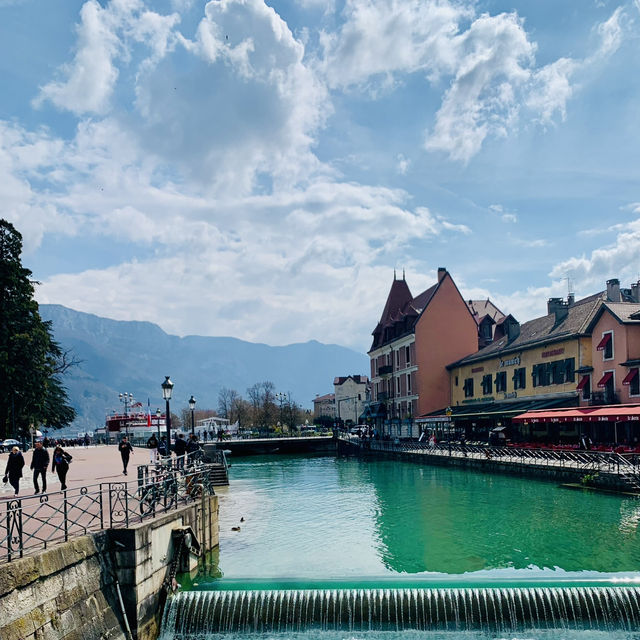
{"type": "Point", "coordinates": [326, 521]}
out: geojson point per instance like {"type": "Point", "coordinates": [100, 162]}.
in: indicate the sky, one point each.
{"type": "Point", "coordinates": [258, 170]}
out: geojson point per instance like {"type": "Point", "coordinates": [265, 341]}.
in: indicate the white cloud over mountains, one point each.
{"type": "Point", "coordinates": [199, 148]}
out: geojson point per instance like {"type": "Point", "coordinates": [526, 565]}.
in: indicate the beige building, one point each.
{"type": "Point", "coordinates": [351, 394]}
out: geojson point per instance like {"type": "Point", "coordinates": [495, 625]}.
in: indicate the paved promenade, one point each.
{"type": "Point", "coordinates": [90, 465]}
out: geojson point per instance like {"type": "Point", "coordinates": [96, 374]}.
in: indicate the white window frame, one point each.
{"type": "Point", "coordinates": [634, 395]}
{"type": "Point", "coordinates": [613, 354]}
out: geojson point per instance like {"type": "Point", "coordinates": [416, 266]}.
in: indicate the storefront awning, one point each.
{"type": "Point", "coordinates": [602, 345]}
{"type": "Point", "coordinates": [605, 378]}
{"type": "Point", "coordinates": [494, 410]}
{"type": "Point", "coordinates": [630, 376]}
{"type": "Point", "coordinates": [608, 413]}
{"type": "Point", "coordinates": [583, 383]}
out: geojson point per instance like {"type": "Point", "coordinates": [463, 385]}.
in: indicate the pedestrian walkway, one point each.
{"type": "Point", "coordinates": [90, 465]}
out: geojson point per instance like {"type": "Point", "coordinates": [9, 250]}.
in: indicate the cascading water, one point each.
{"type": "Point", "coordinates": [197, 614]}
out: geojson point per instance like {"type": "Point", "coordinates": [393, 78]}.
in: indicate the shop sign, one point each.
{"type": "Point", "coordinates": [477, 369]}
{"type": "Point", "coordinates": [510, 363]}
{"type": "Point", "coordinates": [511, 394]}
{"type": "Point", "coordinates": [553, 352]}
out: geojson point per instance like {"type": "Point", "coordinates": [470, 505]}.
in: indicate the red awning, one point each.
{"type": "Point", "coordinates": [630, 376]}
{"type": "Point", "coordinates": [605, 378]}
{"type": "Point", "coordinates": [583, 383]}
{"type": "Point", "coordinates": [607, 413]}
{"type": "Point", "coordinates": [604, 342]}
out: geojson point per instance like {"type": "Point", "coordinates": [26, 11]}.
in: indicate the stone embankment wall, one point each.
{"type": "Point", "coordinates": [70, 592]}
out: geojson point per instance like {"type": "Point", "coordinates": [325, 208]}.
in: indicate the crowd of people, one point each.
{"type": "Point", "coordinates": [60, 459]}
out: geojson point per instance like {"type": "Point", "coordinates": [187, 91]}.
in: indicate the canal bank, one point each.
{"type": "Point", "coordinates": [267, 446]}
{"type": "Point", "coordinates": [606, 471]}
{"type": "Point", "coordinates": [109, 584]}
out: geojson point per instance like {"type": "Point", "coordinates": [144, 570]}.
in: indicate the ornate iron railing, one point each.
{"type": "Point", "coordinates": [35, 522]}
{"type": "Point", "coordinates": [587, 461]}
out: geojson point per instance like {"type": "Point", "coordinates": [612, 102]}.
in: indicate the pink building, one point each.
{"type": "Point", "coordinates": [615, 338]}
{"type": "Point", "coordinates": [413, 342]}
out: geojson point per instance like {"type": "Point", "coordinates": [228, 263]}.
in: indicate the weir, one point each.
{"type": "Point", "coordinates": [196, 614]}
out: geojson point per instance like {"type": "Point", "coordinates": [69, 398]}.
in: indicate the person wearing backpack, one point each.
{"type": "Point", "coordinates": [61, 460]}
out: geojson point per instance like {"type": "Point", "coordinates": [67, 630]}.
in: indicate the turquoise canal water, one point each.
{"type": "Point", "coordinates": [353, 525]}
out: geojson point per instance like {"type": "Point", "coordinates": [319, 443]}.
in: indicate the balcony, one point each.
{"type": "Point", "coordinates": [385, 370]}
{"type": "Point", "coordinates": [383, 396]}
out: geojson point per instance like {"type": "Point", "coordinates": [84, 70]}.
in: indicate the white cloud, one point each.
{"type": "Point", "coordinates": [490, 61]}
{"type": "Point", "coordinates": [620, 259]}
{"type": "Point", "coordinates": [505, 216]}
{"type": "Point", "coordinates": [402, 165]}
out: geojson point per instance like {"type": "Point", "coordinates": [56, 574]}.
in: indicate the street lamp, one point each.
{"type": "Point", "coordinates": [158, 414]}
{"type": "Point", "coordinates": [127, 400]}
{"type": "Point", "coordinates": [192, 406]}
{"type": "Point", "coordinates": [167, 388]}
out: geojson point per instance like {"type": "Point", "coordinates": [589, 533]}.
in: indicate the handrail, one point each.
{"type": "Point", "coordinates": [595, 461]}
{"type": "Point", "coordinates": [35, 522]}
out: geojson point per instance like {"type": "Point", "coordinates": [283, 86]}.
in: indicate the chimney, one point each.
{"type": "Point", "coordinates": [441, 273]}
{"type": "Point", "coordinates": [613, 290]}
{"type": "Point", "coordinates": [571, 298]}
{"type": "Point", "coordinates": [558, 307]}
{"type": "Point", "coordinates": [635, 291]}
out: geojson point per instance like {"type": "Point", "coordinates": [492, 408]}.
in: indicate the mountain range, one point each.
{"type": "Point", "coordinates": [134, 357]}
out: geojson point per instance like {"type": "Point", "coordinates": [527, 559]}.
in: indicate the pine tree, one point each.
{"type": "Point", "coordinates": [31, 361]}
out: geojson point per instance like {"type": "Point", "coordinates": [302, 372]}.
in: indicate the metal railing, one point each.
{"type": "Point", "coordinates": [587, 461]}
{"type": "Point", "coordinates": [36, 522]}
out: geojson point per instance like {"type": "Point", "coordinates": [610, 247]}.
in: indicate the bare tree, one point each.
{"type": "Point", "coordinates": [226, 399]}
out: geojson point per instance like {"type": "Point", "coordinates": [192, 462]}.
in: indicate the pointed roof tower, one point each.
{"type": "Point", "coordinates": [399, 296]}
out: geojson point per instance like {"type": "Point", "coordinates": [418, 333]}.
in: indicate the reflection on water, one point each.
{"type": "Point", "coordinates": [338, 518]}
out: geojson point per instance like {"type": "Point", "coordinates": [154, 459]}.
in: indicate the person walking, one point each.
{"type": "Point", "coordinates": [126, 450]}
{"type": "Point", "coordinates": [61, 460]}
{"type": "Point", "coordinates": [180, 449]}
{"type": "Point", "coordinates": [152, 445]}
{"type": "Point", "coordinates": [193, 446]}
{"type": "Point", "coordinates": [13, 471]}
{"type": "Point", "coordinates": [39, 464]}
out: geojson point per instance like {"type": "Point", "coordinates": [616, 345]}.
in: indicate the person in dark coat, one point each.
{"type": "Point", "coordinates": [162, 446]}
{"type": "Point", "coordinates": [13, 471]}
{"type": "Point", "coordinates": [126, 450]}
{"type": "Point", "coordinates": [152, 445]}
{"type": "Point", "coordinates": [180, 448]}
{"type": "Point", "coordinates": [193, 446]}
{"type": "Point", "coordinates": [39, 464]}
{"type": "Point", "coordinates": [61, 460]}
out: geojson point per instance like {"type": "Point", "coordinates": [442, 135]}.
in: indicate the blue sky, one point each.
{"type": "Point", "coordinates": [258, 170]}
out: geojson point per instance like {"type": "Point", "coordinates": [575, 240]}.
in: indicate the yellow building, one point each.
{"type": "Point", "coordinates": [539, 364]}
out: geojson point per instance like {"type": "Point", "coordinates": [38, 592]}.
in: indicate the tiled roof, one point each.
{"type": "Point", "coordinates": [399, 297]}
{"type": "Point", "coordinates": [481, 308]}
{"type": "Point", "coordinates": [328, 397]}
{"type": "Point", "coordinates": [357, 379]}
{"type": "Point", "coordinates": [543, 329]}
{"type": "Point", "coordinates": [625, 312]}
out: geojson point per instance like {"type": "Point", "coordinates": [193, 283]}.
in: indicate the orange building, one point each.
{"type": "Point", "coordinates": [413, 342]}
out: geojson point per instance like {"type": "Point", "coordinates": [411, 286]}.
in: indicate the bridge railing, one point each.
{"type": "Point", "coordinates": [575, 459]}
{"type": "Point", "coordinates": [36, 522]}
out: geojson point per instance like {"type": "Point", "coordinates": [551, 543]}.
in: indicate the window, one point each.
{"type": "Point", "coordinates": [408, 383]}
{"type": "Point", "coordinates": [468, 388]}
{"type": "Point", "coordinates": [586, 388]}
{"type": "Point", "coordinates": [557, 372]}
{"type": "Point", "coordinates": [456, 381]}
{"type": "Point", "coordinates": [634, 385]}
{"type": "Point", "coordinates": [570, 370]}
{"type": "Point", "coordinates": [606, 345]}
{"type": "Point", "coordinates": [398, 359]}
{"type": "Point", "coordinates": [487, 384]}
{"type": "Point", "coordinates": [501, 381]}
{"type": "Point", "coordinates": [407, 355]}
{"type": "Point", "coordinates": [398, 384]}
{"type": "Point", "coordinates": [520, 378]}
